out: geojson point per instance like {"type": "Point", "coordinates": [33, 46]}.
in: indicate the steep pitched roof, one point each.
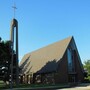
{"type": "Point", "coordinates": [36, 60]}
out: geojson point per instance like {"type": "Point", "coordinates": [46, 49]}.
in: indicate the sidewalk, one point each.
{"type": "Point", "coordinates": [83, 86]}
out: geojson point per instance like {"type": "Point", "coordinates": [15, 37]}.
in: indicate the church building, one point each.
{"type": "Point", "coordinates": [56, 63]}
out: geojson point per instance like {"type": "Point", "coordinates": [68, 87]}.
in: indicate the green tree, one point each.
{"type": "Point", "coordinates": [5, 60]}
{"type": "Point", "coordinates": [87, 68]}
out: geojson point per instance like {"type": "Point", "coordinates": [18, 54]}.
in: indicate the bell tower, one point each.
{"type": "Point", "coordinates": [14, 46]}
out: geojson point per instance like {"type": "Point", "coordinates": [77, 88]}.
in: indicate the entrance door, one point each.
{"type": "Point", "coordinates": [72, 78]}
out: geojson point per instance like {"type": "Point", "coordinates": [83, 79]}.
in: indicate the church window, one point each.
{"type": "Point", "coordinates": [70, 61]}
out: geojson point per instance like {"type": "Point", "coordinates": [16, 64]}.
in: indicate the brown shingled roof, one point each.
{"type": "Point", "coordinates": [34, 61]}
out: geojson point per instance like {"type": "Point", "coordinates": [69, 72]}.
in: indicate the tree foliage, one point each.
{"type": "Point", "coordinates": [87, 67]}
{"type": "Point", "coordinates": [5, 60]}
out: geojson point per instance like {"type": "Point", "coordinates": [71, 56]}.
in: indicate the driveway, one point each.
{"type": "Point", "coordinates": [84, 86]}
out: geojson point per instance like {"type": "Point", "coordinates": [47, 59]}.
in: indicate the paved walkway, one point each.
{"type": "Point", "coordinates": [85, 86]}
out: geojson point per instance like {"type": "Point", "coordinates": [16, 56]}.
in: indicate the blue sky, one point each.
{"type": "Point", "coordinates": [42, 22]}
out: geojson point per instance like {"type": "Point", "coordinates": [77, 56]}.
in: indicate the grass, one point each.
{"type": "Point", "coordinates": [42, 86]}
{"type": "Point", "coordinates": [4, 86]}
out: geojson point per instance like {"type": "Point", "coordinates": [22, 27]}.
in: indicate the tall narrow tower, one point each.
{"type": "Point", "coordinates": [14, 43]}
{"type": "Point", "coordinates": [13, 36]}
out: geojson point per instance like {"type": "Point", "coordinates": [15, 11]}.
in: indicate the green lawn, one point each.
{"type": "Point", "coordinates": [4, 86]}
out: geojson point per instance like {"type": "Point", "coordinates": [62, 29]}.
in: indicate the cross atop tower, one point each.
{"type": "Point", "coordinates": [14, 8]}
